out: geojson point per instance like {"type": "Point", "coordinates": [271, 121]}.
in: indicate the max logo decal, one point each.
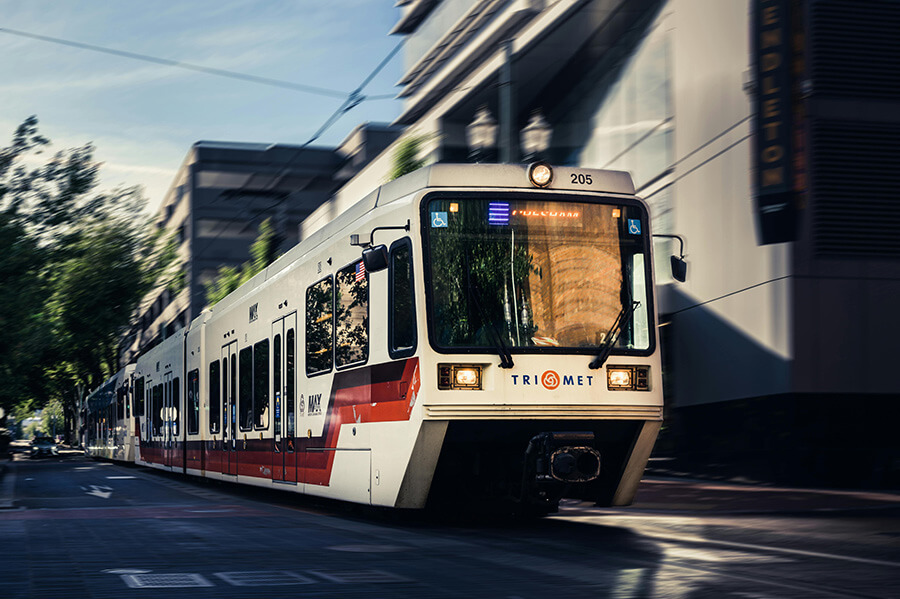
{"type": "Point", "coordinates": [315, 404]}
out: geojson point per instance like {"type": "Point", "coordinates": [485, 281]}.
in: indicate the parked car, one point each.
{"type": "Point", "coordinates": [43, 446]}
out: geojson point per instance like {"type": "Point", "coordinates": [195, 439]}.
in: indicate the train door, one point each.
{"type": "Point", "coordinates": [229, 407]}
{"type": "Point", "coordinates": [168, 409]}
{"type": "Point", "coordinates": [284, 385]}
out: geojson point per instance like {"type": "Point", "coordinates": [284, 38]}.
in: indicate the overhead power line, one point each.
{"type": "Point", "coordinates": [351, 101]}
{"type": "Point", "coordinates": [299, 87]}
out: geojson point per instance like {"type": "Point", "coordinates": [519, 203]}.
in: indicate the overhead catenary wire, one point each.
{"type": "Point", "coordinates": [272, 82]}
{"type": "Point", "coordinates": [351, 101]}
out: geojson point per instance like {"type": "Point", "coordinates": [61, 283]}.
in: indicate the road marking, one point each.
{"type": "Point", "coordinates": [100, 491]}
{"type": "Point", "coordinates": [120, 477]}
{"type": "Point", "coordinates": [259, 579]}
{"type": "Point", "coordinates": [165, 581]}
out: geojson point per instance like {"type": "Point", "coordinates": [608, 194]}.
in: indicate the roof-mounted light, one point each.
{"type": "Point", "coordinates": [540, 174]}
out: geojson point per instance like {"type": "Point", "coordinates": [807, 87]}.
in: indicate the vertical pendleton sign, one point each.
{"type": "Point", "coordinates": [772, 153]}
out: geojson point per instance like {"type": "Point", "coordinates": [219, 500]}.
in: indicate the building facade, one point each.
{"type": "Point", "coordinates": [767, 134]}
{"type": "Point", "coordinates": [212, 212]}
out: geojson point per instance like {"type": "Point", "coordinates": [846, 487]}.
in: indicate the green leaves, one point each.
{"type": "Point", "coordinates": [76, 263]}
{"type": "Point", "coordinates": [263, 252]}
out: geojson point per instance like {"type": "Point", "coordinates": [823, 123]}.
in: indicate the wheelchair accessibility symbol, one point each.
{"type": "Point", "coordinates": [634, 226]}
{"type": "Point", "coordinates": [438, 220]}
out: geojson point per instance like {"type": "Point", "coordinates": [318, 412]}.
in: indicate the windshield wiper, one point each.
{"type": "Point", "coordinates": [609, 340]}
{"type": "Point", "coordinates": [506, 360]}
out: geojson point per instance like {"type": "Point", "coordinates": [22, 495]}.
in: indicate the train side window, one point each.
{"type": "Point", "coordinates": [290, 362]}
{"type": "Point", "coordinates": [157, 409]}
{"type": "Point", "coordinates": [401, 301]}
{"type": "Point", "coordinates": [245, 388]}
{"type": "Point", "coordinates": [261, 384]}
{"type": "Point", "coordinates": [319, 327]}
{"type": "Point", "coordinates": [139, 397]}
{"type": "Point", "coordinates": [351, 300]}
{"type": "Point", "coordinates": [193, 402]}
{"type": "Point", "coordinates": [214, 390]}
{"type": "Point", "coordinates": [176, 406]}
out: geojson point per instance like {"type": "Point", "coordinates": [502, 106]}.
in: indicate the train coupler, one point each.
{"type": "Point", "coordinates": [553, 460]}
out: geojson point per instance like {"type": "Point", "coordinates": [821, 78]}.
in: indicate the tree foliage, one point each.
{"type": "Point", "coordinates": [263, 252]}
{"type": "Point", "coordinates": [76, 263]}
{"type": "Point", "coordinates": [406, 157]}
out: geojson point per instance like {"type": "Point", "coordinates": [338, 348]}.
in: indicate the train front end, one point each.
{"type": "Point", "coordinates": [542, 360]}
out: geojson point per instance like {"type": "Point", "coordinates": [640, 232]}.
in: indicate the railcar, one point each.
{"type": "Point", "coordinates": [107, 416]}
{"type": "Point", "coordinates": [466, 334]}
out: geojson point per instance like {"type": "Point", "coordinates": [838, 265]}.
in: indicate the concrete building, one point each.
{"type": "Point", "coordinates": [219, 197]}
{"type": "Point", "coordinates": [766, 132]}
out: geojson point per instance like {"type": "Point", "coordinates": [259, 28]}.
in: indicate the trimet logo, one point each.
{"type": "Point", "coordinates": [551, 380]}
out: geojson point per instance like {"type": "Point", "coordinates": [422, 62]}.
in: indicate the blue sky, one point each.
{"type": "Point", "coordinates": [143, 117]}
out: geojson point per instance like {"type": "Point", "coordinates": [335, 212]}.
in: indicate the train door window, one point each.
{"type": "Point", "coordinates": [245, 388]}
{"type": "Point", "coordinates": [351, 299]}
{"type": "Point", "coordinates": [193, 402]}
{"type": "Point", "coordinates": [290, 362]}
{"type": "Point", "coordinates": [157, 404]}
{"type": "Point", "coordinates": [139, 397]}
{"type": "Point", "coordinates": [120, 403]}
{"type": "Point", "coordinates": [232, 398]}
{"type": "Point", "coordinates": [261, 384]}
{"type": "Point", "coordinates": [319, 327]}
{"type": "Point", "coordinates": [128, 399]}
{"type": "Point", "coordinates": [176, 406]}
{"type": "Point", "coordinates": [214, 383]}
{"type": "Point", "coordinates": [401, 301]}
{"type": "Point", "coordinates": [225, 391]}
{"type": "Point", "coordinates": [276, 381]}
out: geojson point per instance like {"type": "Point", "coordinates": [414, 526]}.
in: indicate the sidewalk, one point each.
{"type": "Point", "coordinates": [681, 494]}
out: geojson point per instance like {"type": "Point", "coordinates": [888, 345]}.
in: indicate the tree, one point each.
{"type": "Point", "coordinates": [263, 251]}
{"type": "Point", "coordinates": [76, 265]}
{"type": "Point", "coordinates": [406, 156]}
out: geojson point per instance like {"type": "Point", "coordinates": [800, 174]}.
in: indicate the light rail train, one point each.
{"type": "Point", "coordinates": [466, 334]}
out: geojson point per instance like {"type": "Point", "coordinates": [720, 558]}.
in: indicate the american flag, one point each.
{"type": "Point", "coordinates": [360, 271]}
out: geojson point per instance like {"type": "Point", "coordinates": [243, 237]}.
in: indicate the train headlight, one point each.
{"type": "Point", "coordinates": [459, 376]}
{"type": "Point", "coordinates": [540, 174]}
{"type": "Point", "coordinates": [619, 378]}
{"type": "Point", "coordinates": [628, 378]}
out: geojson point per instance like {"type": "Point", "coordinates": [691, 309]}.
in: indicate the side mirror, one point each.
{"type": "Point", "coordinates": [679, 269]}
{"type": "Point", "coordinates": [375, 258]}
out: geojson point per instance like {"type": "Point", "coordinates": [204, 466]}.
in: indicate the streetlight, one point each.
{"type": "Point", "coordinates": [535, 137]}
{"type": "Point", "coordinates": [481, 134]}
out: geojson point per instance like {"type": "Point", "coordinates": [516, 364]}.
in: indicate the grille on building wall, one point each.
{"type": "Point", "coordinates": [856, 210]}
{"type": "Point", "coordinates": [854, 48]}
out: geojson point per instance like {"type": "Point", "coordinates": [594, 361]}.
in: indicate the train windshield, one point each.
{"type": "Point", "coordinates": [537, 274]}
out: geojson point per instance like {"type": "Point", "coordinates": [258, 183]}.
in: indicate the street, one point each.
{"type": "Point", "coordinates": [72, 527]}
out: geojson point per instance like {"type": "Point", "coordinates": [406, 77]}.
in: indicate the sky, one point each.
{"type": "Point", "coordinates": [143, 117]}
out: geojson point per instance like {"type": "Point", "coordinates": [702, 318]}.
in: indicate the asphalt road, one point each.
{"type": "Point", "coordinates": [72, 527]}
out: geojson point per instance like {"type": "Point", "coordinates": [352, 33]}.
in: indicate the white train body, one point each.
{"type": "Point", "coordinates": [463, 377]}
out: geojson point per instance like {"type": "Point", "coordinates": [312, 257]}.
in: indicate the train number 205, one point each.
{"type": "Point", "coordinates": [581, 179]}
